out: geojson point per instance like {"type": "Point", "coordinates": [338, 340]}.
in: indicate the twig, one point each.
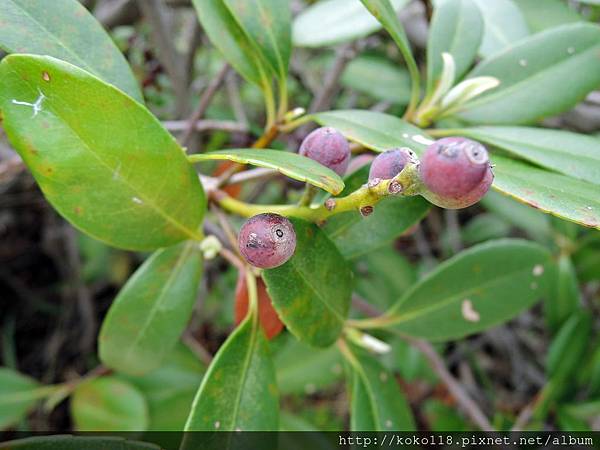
{"type": "Point", "coordinates": [439, 367]}
{"type": "Point", "coordinates": [206, 125]}
{"type": "Point", "coordinates": [204, 103]}
{"type": "Point", "coordinates": [173, 64]}
{"type": "Point", "coordinates": [197, 348]}
{"type": "Point", "coordinates": [331, 80]}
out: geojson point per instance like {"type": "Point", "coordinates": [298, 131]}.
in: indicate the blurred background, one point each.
{"type": "Point", "coordinates": [57, 284]}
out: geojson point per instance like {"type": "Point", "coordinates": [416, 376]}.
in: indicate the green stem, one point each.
{"type": "Point", "coordinates": [252, 294]}
{"type": "Point", "coordinates": [269, 103]}
{"type": "Point", "coordinates": [406, 183]}
{"type": "Point", "coordinates": [307, 197]}
{"type": "Point", "coordinates": [283, 98]}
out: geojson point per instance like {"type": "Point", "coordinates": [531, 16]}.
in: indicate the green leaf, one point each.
{"type": "Point", "coordinates": [565, 296]}
{"type": "Point", "coordinates": [148, 316]}
{"type": "Point", "coordinates": [587, 260]}
{"type": "Point", "coordinates": [108, 403]}
{"type": "Point", "coordinates": [302, 369]}
{"type": "Point", "coordinates": [239, 391]}
{"type": "Point", "coordinates": [534, 222]}
{"type": "Point", "coordinates": [562, 61]}
{"type": "Point", "coordinates": [377, 403]}
{"type": "Point", "coordinates": [103, 161]}
{"type": "Point", "coordinates": [573, 154]}
{"type": "Point", "coordinates": [384, 12]}
{"type": "Point", "coordinates": [556, 194]}
{"type": "Point", "coordinates": [553, 193]}
{"type": "Point", "coordinates": [569, 346]}
{"type": "Point", "coordinates": [267, 23]}
{"type": "Point", "coordinates": [18, 395]}
{"type": "Point", "coordinates": [76, 443]}
{"type": "Point", "coordinates": [374, 130]}
{"type": "Point", "coordinates": [66, 31]}
{"type": "Point", "coordinates": [311, 292]}
{"type": "Point", "coordinates": [484, 227]}
{"type": "Point", "coordinates": [225, 34]}
{"type": "Point", "coordinates": [504, 25]}
{"type": "Point", "coordinates": [379, 78]}
{"type": "Point", "coordinates": [330, 22]}
{"type": "Point", "coordinates": [292, 165]}
{"type": "Point", "coordinates": [555, 13]}
{"type": "Point", "coordinates": [355, 235]}
{"type": "Point", "coordinates": [382, 276]}
{"type": "Point", "coordinates": [467, 293]}
{"type": "Point", "coordinates": [170, 389]}
{"type": "Point", "coordinates": [456, 28]}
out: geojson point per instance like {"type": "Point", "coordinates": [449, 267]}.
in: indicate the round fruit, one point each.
{"type": "Point", "coordinates": [456, 172]}
{"type": "Point", "coordinates": [390, 163]}
{"type": "Point", "coordinates": [267, 240]}
{"type": "Point", "coordinates": [328, 147]}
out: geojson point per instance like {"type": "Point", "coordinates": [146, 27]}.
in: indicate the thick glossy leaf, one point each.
{"type": "Point", "coordinates": [292, 165]}
{"type": "Point", "coordinates": [108, 404]}
{"type": "Point", "coordinates": [76, 443]}
{"type": "Point", "coordinates": [554, 14]}
{"type": "Point", "coordinates": [556, 194]}
{"type": "Point", "coordinates": [330, 22]}
{"type": "Point", "coordinates": [18, 395]}
{"type": "Point", "coordinates": [102, 160]}
{"type": "Point", "coordinates": [559, 195]}
{"type": "Point", "coordinates": [573, 154]}
{"type": "Point", "coordinates": [468, 293]}
{"type": "Point", "coordinates": [565, 296]}
{"type": "Point", "coordinates": [562, 61]}
{"type": "Point", "coordinates": [504, 25]}
{"type": "Point", "coordinates": [66, 31]}
{"type": "Point", "coordinates": [456, 28]}
{"type": "Point", "coordinates": [239, 391]}
{"type": "Point", "coordinates": [170, 389]}
{"type": "Point", "coordinates": [374, 130]}
{"type": "Point", "coordinates": [302, 369]}
{"type": "Point", "coordinates": [267, 23]}
{"type": "Point", "coordinates": [378, 404]}
{"type": "Point", "coordinates": [355, 235]}
{"type": "Point", "coordinates": [378, 77]}
{"type": "Point", "coordinates": [226, 34]}
{"type": "Point", "coordinates": [148, 316]}
{"type": "Point", "coordinates": [311, 292]}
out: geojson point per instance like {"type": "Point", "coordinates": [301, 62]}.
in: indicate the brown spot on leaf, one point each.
{"type": "Point", "coordinates": [45, 76]}
{"type": "Point", "coordinates": [78, 210]}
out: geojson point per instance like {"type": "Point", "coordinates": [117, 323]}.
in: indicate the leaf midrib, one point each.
{"type": "Point", "coordinates": [179, 264]}
{"type": "Point", "coordinates": [336, 313]}
{"type": "Point", "coordinates": [411, 316]}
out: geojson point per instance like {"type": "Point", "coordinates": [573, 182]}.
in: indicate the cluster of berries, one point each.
{"type": "Point", "coordinates": [455, 172]}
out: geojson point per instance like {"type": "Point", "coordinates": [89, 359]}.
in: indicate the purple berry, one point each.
{"type": "Point", "coordinates": [390, 163]}
{"type": "Point", "coordinates": [456, 172]}
{"type": "Point", "coordinates": [267, 240]}
{"type": "Point", "coordinates": [328, 147]}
